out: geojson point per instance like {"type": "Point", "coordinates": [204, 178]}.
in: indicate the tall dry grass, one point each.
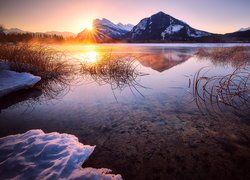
{"type": "Point", "coordinates": [235, 55]}
{"type": "Point", "coordinates": [232, 90]}
{"type": "Point", "coordinates": [51, 65]}
{"type": "Point", "coordinates": [119, 72]}
{"type": "Point", "coordinates": [35, 59]}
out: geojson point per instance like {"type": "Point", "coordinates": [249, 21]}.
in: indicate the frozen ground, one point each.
{"type": "Point", "coordinates": [11, 81]}
{"type": "Point", "coordinates": [36, 155]}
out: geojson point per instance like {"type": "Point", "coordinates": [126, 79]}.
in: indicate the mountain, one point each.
{"type": "Point", "coordinates": [127, 27]}
{"type": "Point", "coordinates": [14, 31]}
{"type": "Point", "coordinates": [19, 31]}
{"type": "Point", "coordinates": [63, 34]}
{"type": "Point", "coordinates": [238, 36]}
{"type": "Point", "coordinates": [163, 27]}
{"type": "Point", "coordinates": [104, 31]}
{"type": "Point", "coordinates": [244, 29]}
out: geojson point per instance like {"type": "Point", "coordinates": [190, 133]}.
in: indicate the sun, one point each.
{"type": "Point", "coordinates": [89, 25]}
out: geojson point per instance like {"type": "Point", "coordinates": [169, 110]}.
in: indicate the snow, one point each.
{"type": "Point", "coordinates": [197, 33]}
{"type": "Point", "coordinates": [163, 34]}
{"type": "Point", "coordinates": [126, 27]}
{"type": "Point", "coordinates": [176, 56]}
{"type": "Point", "coordinates": [171, 29]}
{"type": "Point", "coordinates": [142, 25]}
{"type": "Point", "coordinates": [107, 29]}
{"type": "Point", "coordinates": [177, 28]}
{"type": "Point", "coordinates": [171, 20]}
{"type": "Point", "coordinates": [11, 81]}
{"type": "Point", "coordinates": [119, 26]}
{"type": "Point", "coordinates": [105, 22]}
{"type": "Point", "coordinates": [139, 27]}
{"type": "Point", "coordinates": [36, 155]}
{"type": "Point", "coordinates": [244, 29]}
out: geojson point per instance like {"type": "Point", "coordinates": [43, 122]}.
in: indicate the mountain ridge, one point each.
{"type": "Point", "coordinates": [158, 28]}
{"type": "Point", "coordinates": [20, 31]}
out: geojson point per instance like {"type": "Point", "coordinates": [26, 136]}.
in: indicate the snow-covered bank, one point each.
{"type": "Point", "coordinates": [36, 155]}
{"type": "Point", "coordinates": [11, 81]}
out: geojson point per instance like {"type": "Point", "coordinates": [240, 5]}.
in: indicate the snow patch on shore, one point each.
{"type": "Point", "coordinates": [11, 81]}
{"type": "Point", "coordinates": [36, 155]}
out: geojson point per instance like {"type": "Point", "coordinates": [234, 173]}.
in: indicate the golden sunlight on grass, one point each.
{"type": "Point", "coordinates": [36, 59]}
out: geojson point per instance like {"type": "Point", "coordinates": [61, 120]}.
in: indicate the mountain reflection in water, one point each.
{"type": "Point", "coordinates": [164, 61]}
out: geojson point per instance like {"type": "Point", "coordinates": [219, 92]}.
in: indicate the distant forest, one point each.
{"type": "Point", "coordinates": [29, 37]}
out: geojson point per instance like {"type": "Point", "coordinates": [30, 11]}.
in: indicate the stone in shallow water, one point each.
{"type": "Point", "coordinates": [11, 81]}
{"type": "Point", "coordinates": [36, 155]}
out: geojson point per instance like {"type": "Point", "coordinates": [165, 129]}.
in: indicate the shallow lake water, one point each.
{"type": "Point", "coordinates": [152, 130]}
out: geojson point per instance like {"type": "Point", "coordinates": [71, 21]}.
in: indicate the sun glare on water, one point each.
{"type": "Point", "coordinates": [91, 57]}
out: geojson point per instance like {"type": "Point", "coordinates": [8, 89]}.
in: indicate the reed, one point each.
{"type": "Point", "coordinates": [52, 66]}
{"type": "Point", "coordinates": [222, 55]}
{"type": "Point", "coordinates": [231, 90]}
{"type": "Point", "coordinates": [119, 72]}
{"type": "Point", "coordinates": [35, 59]}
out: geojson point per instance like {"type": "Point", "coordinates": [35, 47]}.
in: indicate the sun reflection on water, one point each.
{"type": "Point", "coordinates": [91, 56]}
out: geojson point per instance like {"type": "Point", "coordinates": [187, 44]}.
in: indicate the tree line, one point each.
{"type": "Point", "coordinates": [28, 37]}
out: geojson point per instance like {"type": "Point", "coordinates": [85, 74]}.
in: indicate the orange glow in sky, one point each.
{"type": "Point", "coordinates": [218, 16]}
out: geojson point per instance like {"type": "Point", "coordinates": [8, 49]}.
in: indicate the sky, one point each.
{"type": "Point", "coordinates": [217, 16]}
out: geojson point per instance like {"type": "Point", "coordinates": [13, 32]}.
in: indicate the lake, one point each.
{"type": "Point", "coordinates": [148, 127]}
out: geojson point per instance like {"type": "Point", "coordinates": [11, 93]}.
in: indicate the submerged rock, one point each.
{"type": "Point", "coordinates": [36, 155]}
{"type": "Point", "coordinates": [11, 81]}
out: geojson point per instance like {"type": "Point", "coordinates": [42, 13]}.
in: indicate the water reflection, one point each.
{"type": "Point", "coordinates": [218, 92]}
{"type": "Point", "coordinates": [43, 92]}
{"type": "Point", "coordinates": [233, 56]}
{"type": "Point", "coordinates": [49, 88]}
{"type": "Point", "coordinates": [119, 72]}
{"type": "Point", "coordinates": [164, 61]}
{"type": "Point", "coordinates": [90, 57]}
{"type": "Point", "coordinates": [27, 96]}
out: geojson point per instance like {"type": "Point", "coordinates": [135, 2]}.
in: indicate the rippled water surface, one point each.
{"type": "Point", "coordinates": [153, 130]}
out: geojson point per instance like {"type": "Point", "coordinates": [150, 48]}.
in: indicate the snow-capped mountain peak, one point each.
{"type": "Point", "coordinates": [127, 27]}
{"type": "Point", "coordinates": [106, 22]}
{"type": "Point", "coordinates": [161, 26]}
{"type": "Point", "coordinates": [244, 29]}
{"type": "Point", "coordinates": [105, 30]}
{"type": "Point", "coordinates": [103, 21]}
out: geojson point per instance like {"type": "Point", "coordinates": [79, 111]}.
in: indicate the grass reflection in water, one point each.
{"type": "Point", "coordinates": [217, 92]}
{"type": "Point", "coordinates": [119, 72]}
